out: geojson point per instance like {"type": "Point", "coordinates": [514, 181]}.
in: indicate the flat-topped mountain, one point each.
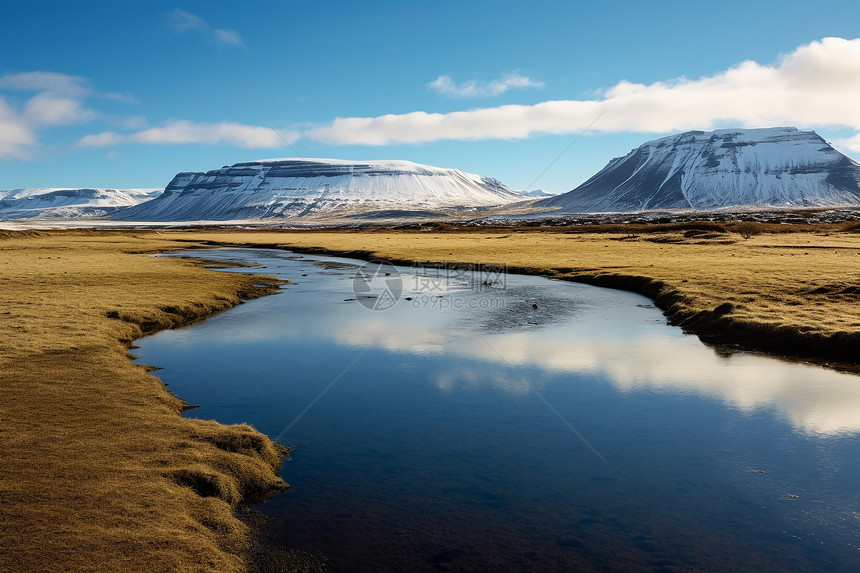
{"type": "Point", "coordinates": [282, 188]}
{"type": "Point", "coordinates": [775, 167]}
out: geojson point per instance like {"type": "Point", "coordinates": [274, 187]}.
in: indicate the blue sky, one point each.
{"type": "Point", "coordinates": [126, 94]}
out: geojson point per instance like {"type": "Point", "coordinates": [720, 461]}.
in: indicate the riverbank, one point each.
{"type": "Point", "coordinates": [99, 471]}
{"type": "Point", "coordinates": [792, 291]}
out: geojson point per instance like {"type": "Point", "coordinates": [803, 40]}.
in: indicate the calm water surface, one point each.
{"type": "Point", "coordinates": [474, 432]}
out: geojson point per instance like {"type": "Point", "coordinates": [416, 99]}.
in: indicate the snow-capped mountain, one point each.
{"type": "Point", "coordinates": [317, 187]}
{"type": "Point", "coordinates": [774, 167]}
{"type": "Point", "coordinates": [538, 193]}
{"type": "Point", "coordinates": [69, 203]}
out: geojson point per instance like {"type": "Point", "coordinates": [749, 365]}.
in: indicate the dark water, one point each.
{"type": "Point", "coordinates": [474, 432]}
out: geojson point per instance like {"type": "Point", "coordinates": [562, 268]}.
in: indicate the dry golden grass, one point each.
{"type": "Point", "coordinates": [793, 291]}
{"type": "Point", "coordinates": [98, 470]}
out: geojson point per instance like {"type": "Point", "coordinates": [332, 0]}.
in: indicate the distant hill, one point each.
{"type": "Point", "coordinates": [69, 203]}
{"type": "Point", "coordinates": [286, 188]}
{"type": "Point", "coordinates": [775, 167]}
{"type": "Point", "coordinates": [537, 193]}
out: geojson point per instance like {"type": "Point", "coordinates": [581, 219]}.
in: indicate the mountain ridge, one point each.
{"type": "Point", "coordinates": [69, 202]}
{"type": "Point", "coordinates": [298, 187]}
{"type": "Point", "coordinates": [699, 170]}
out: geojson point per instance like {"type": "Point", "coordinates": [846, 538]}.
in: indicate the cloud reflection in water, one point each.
{"type": "Point", "coordinates": [578, 330]}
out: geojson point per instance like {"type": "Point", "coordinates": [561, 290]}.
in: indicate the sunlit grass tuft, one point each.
{"type": "Point", "coordinates": [99, 472]}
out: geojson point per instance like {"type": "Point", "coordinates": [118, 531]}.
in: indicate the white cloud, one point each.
{"type": "Point", "coordinates": [228, 36]}
{"type": "Point", "coordinates": [816, 85]}
{"type": "Point", "coordinates": [851, 144]}
{"type": "Point", "coordinates": [62, 84]}
{"type": "Point", "coordinates": [181, 21]}
{"type": "Point", "coordinates": [130, 122]}
{"type": "Point", "coordinates": [101, 139]}
{"type": "Point", "coordinates": [15, 135]}
{"type": "Point", "coordinates": [122, 98]}
{"type": "Point", "coordinates": [446, 86]}
{"type": "Point", "coordinates": [58, 100]}
{"type": "Point", "coordinates": [188, 132]}
{"type": "Point", "coordinates": [210, 133]}
{"type": "Point", "coordinates": [47, 109]}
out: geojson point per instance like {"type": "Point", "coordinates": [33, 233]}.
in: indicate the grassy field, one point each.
{"type": "Point", "coordinates": [100, 472]}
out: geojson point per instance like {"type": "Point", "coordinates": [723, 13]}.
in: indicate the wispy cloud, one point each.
{"type": "Point", "coordinates": [15, 135]}
{"type": "Point", "coordinates": [446, 86]}
{"type": "Point", "coordinates": [122, 98]}
{"type": "Point", "coordinates": [61, 84]}
{"type": "Point", "coordinates": [816, 85]}
{"type": "Point", "coordinates": [58, 101]}
{"type": "Point", "coordinates": [188, 132]}
{"type": "Point", "coordinates": [130, 122]}
{"type": "Point", "coordinates": [181, 21]}
{"type": "Point", "coordinates": [47, 109]}
{"type": "Point", "coordinates": [851, 143]}
{"type": "Point", "coordinates": [106, 138]}
{"type": "Point", "coordinates": [228, 36]}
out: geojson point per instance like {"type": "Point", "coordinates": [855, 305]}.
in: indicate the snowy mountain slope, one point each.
{"type": "Point", "coordinates": [774, 167]}
{"type": "Point", "coordinates": [69, 203]}
{"type": "Point", "coordinates": [538, 194]}
{"type": "Point", "coordinates": [307, 187]}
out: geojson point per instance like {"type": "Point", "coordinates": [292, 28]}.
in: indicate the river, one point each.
{"type": "Point", "coordinates": [451, 420]}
